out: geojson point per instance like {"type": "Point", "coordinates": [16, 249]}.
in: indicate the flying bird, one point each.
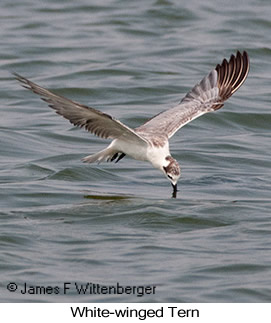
{"type": "Point", "coordinates": [150, 141]}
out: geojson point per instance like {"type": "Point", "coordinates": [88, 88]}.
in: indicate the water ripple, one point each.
{"type": "Point", "coordinates": [64, 220]}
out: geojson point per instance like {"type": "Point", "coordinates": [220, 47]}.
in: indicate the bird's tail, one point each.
{"type": "Point", "coordinates": [103, 155]}
{"type": "Point", "coordinates": [107, 154]}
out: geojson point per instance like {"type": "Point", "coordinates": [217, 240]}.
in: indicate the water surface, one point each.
{"type": "Point", "coordinates": [65, 221]}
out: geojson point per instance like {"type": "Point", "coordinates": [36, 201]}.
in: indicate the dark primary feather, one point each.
{"type": "Point", "coordinates": [232, 74]}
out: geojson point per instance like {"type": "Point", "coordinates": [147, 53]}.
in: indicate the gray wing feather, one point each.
{"type": "Point", "coordinates": [94, 121]}
{"type": "Point", "coordinates": [209, 95]}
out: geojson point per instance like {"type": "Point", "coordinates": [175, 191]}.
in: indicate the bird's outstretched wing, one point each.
{"type": "Point", "coordinates": [94, 121]}
{"type": "Point", "coordinates": [209, 95]}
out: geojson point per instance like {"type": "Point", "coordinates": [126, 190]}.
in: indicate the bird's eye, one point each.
{"type": "Point", "coordinates": [170, 177]}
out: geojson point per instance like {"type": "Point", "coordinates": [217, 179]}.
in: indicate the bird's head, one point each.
{"type": "Point", "coordinates": [172, 171]}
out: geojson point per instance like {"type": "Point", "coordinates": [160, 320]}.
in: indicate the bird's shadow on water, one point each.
{"type": "Point", "coordinates": [122, 197]}
{"type": "Point", "coordinates": [108, 197]}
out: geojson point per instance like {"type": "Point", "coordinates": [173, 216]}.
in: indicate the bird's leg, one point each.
{"type": "Point", "coordinates": [120, 157]}
{"type": "Point", "coordinates": [114, 156]}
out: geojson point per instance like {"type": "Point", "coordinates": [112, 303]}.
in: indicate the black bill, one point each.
{"type": "Point", "coordinates": [174, 193]}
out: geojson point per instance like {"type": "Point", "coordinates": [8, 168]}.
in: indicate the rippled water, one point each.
{"type": "Point", "coordinates": [64, 221]}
